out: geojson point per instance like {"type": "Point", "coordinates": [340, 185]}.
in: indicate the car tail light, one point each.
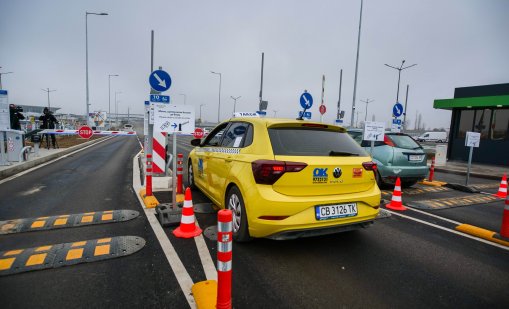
{"type": "Point", "coordinates": [315, 125]}
{"type": "Point", "coordinates": [369, 166]}
{"type": "Point", "coordinates": [267, 172]}
{"type": "Point", "coordinates": [388, 141]}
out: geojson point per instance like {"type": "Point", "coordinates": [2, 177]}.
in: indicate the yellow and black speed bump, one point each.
{"type": "Point", "coordinates": [443, 203]}
{"type": "Point", "coordinates": [65, 221]}
{"type": "Point", "coordinates": [419, 190]}
{"type": "Point", "coordinates": [59, 255]}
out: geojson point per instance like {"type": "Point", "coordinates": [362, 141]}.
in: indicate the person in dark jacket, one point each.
{"type": "Point", "coordinates": [16, 116]}
{"type": "Point", "coordinates": [48, 122]}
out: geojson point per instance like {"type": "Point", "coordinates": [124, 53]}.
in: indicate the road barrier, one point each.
{"type": "Point", "coordinates": [396, 201]}
{"type": "Point", "coordinates": [187, 228]}
{"type": "Point", "coordinates": [159, 152]}
{"type": "Point", "coordinates": [224, 259]}
{"type": "Point", "coordinates": [148, 180]}
{"type": "Point", "coordinates": [180, 172]}
{"type": "Point", "coordinates": [504, 231]}
{"type": "Point", "coordinates": [502, 190]}
{"type": "Point", "coordinates": [96, 132]}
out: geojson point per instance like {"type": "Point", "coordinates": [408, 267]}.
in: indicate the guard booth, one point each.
{"type": "Point", "coordinates": [483, 109]}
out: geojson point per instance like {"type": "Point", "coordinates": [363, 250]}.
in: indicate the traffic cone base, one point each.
{"type": "Point", "coordinates": [502, 190]}
{"type": "Point", "coordinates": [187, 228]}
{"type": "Point", "coordinates": [396, 201]}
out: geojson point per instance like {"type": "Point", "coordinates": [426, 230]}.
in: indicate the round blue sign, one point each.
{"type": "Point", "coordinates": [397, 109]}
{"type": "Point", "coordinates": [160, 80]}
{"type": "Point", "coordinates": [306, 100]}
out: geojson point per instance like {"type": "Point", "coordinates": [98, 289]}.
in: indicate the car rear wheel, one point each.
{"type": "Point", "coordinates": [235, 203]}
{"type": "Point", "coordinates": [190, 175]}
{"type": "Point", "coordinates": [380, 182]}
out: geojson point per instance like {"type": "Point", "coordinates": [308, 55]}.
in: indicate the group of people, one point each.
{"type": "Point", "coordinates": [47, 121]}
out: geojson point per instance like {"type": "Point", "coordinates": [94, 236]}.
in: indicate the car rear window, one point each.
{"type": "Point", "coordinates": [312, 142]}
{"type": "Point", "coordinates": [403, 141]}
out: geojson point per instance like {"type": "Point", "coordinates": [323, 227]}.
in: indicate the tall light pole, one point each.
{"type": "Point", "coordinates": [275, 112]}
{"type": "Point", "coordinates": [184, 97]}
{"type": "Point", "coordinates": [86, 56]}
{"type": "Point", "coordinates": [109, 93]}
{"type": "Point", "coordinates": [235, 102]}
{"type": "Point", "coordinates": [1, 78]}
{"type": "Point", "coordinates": [116, 107]}
{"type": "Point", "coordinates": [401, 68]}
{"type": "Point", "coordinates": [48, 91]}
{"type": "Point", "coordinates": [200, 112]}
{"type": "Point", "coordinates": [219, 106]}
{"type": "Point", "coordinates": [356, 66]}
{"type": "Point", "coordinates": [367, 101]}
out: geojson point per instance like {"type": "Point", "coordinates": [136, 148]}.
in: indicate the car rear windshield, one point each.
{"type": "Point", "coordinates": [313, 142]}
{"type": "Point", "coordinates": [403, 141]}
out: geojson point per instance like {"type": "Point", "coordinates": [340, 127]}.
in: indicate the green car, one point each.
{"type": "Point", "coordinates": [398, 155]}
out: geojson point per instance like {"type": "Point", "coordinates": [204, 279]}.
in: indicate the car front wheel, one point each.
{"type": "Point", "coordinates": [235, 203]}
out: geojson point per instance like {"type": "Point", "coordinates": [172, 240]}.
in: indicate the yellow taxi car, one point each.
{"type": "Point", "coordinates": [285, 178]}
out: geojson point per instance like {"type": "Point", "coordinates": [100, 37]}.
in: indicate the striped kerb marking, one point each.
{"type": "Point", "coordinates": [454, 201]}
{"type": "Point", "coordinates": [158, 152]}
{"type": "Point", "coordinates": [66, 254]}
{"type": "Point", "coordinates": [65, 221]}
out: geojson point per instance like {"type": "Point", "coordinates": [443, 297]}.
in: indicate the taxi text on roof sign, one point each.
{"type": "Point", "coordinates": [246, 115]}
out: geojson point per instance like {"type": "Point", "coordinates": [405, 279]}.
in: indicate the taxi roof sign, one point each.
{"type": "Point", "coordinates": [246, 115]}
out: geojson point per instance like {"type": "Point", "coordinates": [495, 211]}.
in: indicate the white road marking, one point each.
{"type": "Point", "coordinates": [50, 162]}
{"type": "Point", "coordinates": [32, 191]}
{"type": "Point", "coordinates": [183, 277]}
{"type": "Point", "coordinates": [449, 230]}
{"type": "Point", "coordinates": [206, 259]}
{"type": "Point", "coordinates": [434, 216]}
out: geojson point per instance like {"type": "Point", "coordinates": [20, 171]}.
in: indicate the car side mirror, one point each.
{"type": "Point", "coordinates": [196, 142]}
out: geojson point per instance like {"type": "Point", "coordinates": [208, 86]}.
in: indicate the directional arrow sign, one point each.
{"type": "Point", "coordinates": [160, 80]}
{"type": "Point", "coordinates": [306, 100]}
{"type": "Point", "coordinates": [397, 109]}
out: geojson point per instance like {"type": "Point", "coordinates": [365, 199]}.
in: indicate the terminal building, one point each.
{"type": "Point", "coordinates": [483, 109]}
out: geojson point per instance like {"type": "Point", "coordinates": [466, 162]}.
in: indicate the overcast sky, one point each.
{"type": "Point", "coordinates": [455, 43]}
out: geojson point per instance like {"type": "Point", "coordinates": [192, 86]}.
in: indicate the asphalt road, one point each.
{"type": "Point", "coordinates": [397, 262]}
{"type": "Point", "coordinates": [95, 179]}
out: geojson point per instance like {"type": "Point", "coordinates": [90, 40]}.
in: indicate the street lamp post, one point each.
{"type": "Point", "coordinates": [235, 102]}
{"type": "Point", "coordinates": [401, 68]}
{"type": "Point", "coordinates": [200, 112]}
{"type": "Point", "coordinates": [86, 57]}
{"type": "Point", "coordinates": [109, 94]}
{"type": "Point", "coordinates": [1, 78]}
{"type": "Point", "coordinates": [367, 101]}
{"type": "Point", "coordinates": [48, 91]}
{"type": "Point", "coordinates": [116, 107]}
{"type": "Point", "coordinates": [275, 112]}
{"type": "Point", "coordinates": [183, 94]}
{"type": "Point", "coordinates": [219, 106]}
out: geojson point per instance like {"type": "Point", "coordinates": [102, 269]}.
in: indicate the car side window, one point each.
{"type": "Point", "coordinates": [215, 137]}
{"type": "Point", "coordinates": [236, 134]}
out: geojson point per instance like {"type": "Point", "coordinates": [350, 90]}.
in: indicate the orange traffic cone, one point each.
{"type": "Point", "coordinates": [504, 231]}
{"type": "Point", "coordinates": [502, 190]}
{"type": "Point", "coordinates": [396, 202]}
{"type": "Point", "coordinates": [187, 228]}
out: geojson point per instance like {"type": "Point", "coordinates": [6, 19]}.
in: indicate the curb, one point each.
{"type": "Point", "coordinates": [482, 233]}
{"type": "Point", "coordinates": [28, 165]}
{"type": "Point", "coordinates": [461, 172]}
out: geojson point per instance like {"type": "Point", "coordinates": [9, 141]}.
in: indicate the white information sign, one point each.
{"type": "Point", "coordinates": [172, 118]}
{"type": "Point", "coordinates": [374, 131]}
{"type": "Point", "coordinates": [151, 118]}
{"type": "Point", "coordinates": [473, 139]}
{"type": "Point", "coordinates": [441, 155]}
{"type": "Point", "coordinates": [5, 120]}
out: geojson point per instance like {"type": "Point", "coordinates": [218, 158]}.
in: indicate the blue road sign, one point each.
{"type": "Point", "coordinates": [397, 109]}
{"type": "Point", "coordinates": [160, 80]}
{"type": "Point", "coordinates": [306, 115]}
{"type": "Point", "coordinates": [147, 103]}
{"type": "Point", "coordinates": [261, 113]}
{"type": "Point", "coordinates": [159, 98]}
{"type": "Point", "coordinates": [339, 120]}
{"type": "Point", "coordinates": [306, 100]}
{"type": "Point", "coordinates": [396, 121]}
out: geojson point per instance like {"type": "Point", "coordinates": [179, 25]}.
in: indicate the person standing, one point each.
{"type": "Point", "coordinates": [48, 122]}
{"type": "Point", "coordinates": [16, 116]}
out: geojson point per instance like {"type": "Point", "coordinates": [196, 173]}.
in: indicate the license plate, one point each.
{"type": "Point", "coordinates": [415, 157]}
{"type": "Point", "coordinates": [326, 212]}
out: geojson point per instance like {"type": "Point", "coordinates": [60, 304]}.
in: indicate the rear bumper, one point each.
{"type": "Point", "coordinates": [408, 173]}
{"type": "Point", "coordinates": [262, 202]}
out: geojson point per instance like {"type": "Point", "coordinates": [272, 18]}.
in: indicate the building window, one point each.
{"type": "Point", "coordinates": [482, 122]}
{"type": "Point", "coordinates": [466, 123]}
{"type": "Point", "coordinates": [499, 124]}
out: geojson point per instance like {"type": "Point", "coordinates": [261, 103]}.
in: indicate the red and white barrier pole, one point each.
{"type": "Point", "coordinates": [432, 169]}
{"type": "Point", "coordinates": [180, 172]}
{"type": "Point", "coordinates": [224, 259]}
{"type": "Point", "coordinates": [148, 179]}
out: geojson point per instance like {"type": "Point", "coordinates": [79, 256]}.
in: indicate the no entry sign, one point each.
{"type": "Point", "coordinates": [322, 109]}
{"type": "Point", "coordinates": [85, 132]}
